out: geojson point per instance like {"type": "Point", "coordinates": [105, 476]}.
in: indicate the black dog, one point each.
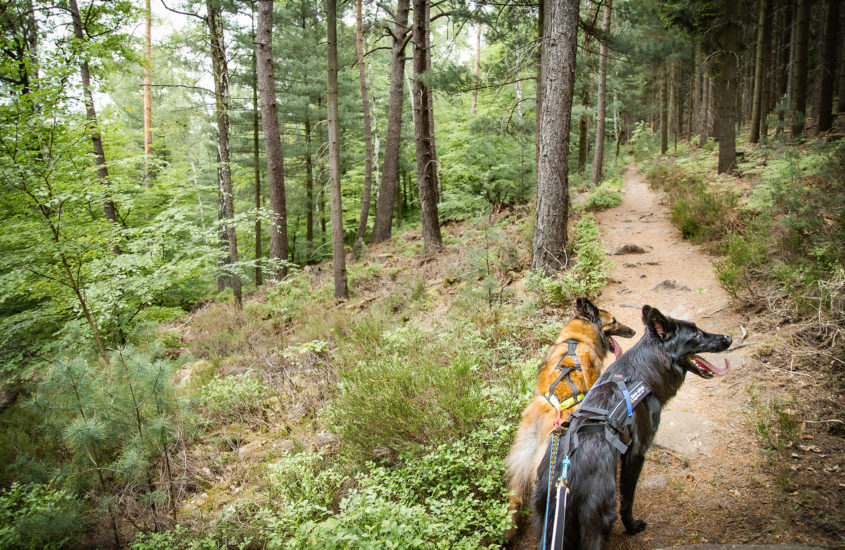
{"type": "Point", "coordinates": [660, 361]}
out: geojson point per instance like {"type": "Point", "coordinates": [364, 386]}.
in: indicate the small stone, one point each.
{"type": "Point", "coordinates": [623, 290]}
{"type": "Point", "coordinates": [627, 249]}
{"type": "Point", "coordinates": [669, 284]}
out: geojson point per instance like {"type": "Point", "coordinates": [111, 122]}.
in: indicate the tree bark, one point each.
{"type": "Point", "coordinates": [759, 71]}
{"type": "Point", "coordinates": [582, 133]}
{"type": "Point", "coordinates": [393, 142]}
{"type": "Point", "coordinates": [770, 56]}
{"type": "Point", "coordinates": [426, 170]}
{"type": "Point", "coordinates": [828, 66]}
{"type": "Point", "coordinates": [840, 102]}
{"type": "Point", "coordinates": [541, 23]}
{"type": "Point", "coordinates": [272, 139]}
{"type": "Point", "coordinates": [477, 70]}
{"type": "Point", "coordinates": [664, 110]}
{"type": "Point", "coordinates": [226, 205]}
{"type": "Point", "coordinates": [368, 134]}
{"type": "Point", "coordinates": [726, 89]}
{"type": "Point", "coordinates": [341, 290]}
{"type": "Point", "coordinates": [559, 45]}
{"type": "Point", "coordinates": [601, 102]}
{"type": "Point", "coordinates": [96, 139]}
{"type": "Point", "coordinates": [699, 96]}
{"type": "Point", "coordinates": [799, 67]}
{"type": "Point", "coordinates": [259, 274]}
{"type": "Point", "coordinates": [428, 70]}
{"type": "Point", "coordinates": [309, 190]}
{"type": "Point", "coordinates": [148, 99]}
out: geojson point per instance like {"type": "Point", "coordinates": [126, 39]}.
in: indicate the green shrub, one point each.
{"type": "Point", "coordinates": [178, 538]}
{"type": "Point", "coordinates": [416, 389]}
{"type": "Point", "coordinates": [606, 195]}
{"type": "Point", "coordinates": [294, 294]}
{"type": "Point", "coordinates": [232, 398]}
{"type": "Point", "coordinates": [451, 497]}
{"type": "Point", "coordinates": [38, 516]}
{"type": "Point", "coordinates": [588, 274]}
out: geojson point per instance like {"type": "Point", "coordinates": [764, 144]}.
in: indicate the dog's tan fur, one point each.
{"type": "Point", "coordinates": [532, 437]}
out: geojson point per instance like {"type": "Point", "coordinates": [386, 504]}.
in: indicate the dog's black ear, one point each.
{"type": "Point", "coordinates": [586, 308]}
{"type": "Point", "coordinates": [657, 323]}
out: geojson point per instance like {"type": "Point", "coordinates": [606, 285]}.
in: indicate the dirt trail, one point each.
{"type": "Point", "coordinates": [704, 480]}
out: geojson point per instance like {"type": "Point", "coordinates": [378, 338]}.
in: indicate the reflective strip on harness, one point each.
{"type": "Point", "coordinates": [566, 403]}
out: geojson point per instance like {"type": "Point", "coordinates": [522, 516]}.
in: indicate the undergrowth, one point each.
{"type": "Point", "coordinates": [780, 231]}
{"type": "Point", "coordinates": [587, 274]}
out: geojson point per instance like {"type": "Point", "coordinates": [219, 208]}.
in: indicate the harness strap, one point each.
{"type": "Point", "coordinates": [577, 396]}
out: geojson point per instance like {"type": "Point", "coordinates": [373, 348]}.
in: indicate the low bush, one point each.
{"type": "Point", "coordinates": [607, 195]}
{"type": "Point", "coordinates": [38, 516]}
{"type": "Point", "coordinates": [586, 277]}
{"type": "Point", "coordinates": [415, 388]}
{"type": "Point", "coordinates": [232, 398]}
{"type": "Point", "coordinates": [452, 496]}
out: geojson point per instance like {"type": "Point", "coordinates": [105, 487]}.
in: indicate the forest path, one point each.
{"type": "Point", "coordinates": [702, 481]}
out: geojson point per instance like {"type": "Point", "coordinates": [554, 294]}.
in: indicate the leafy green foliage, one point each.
{"type": "Point", "coordinates": [385, 407]}
{"type": "Point", "coordinates": [449, 497]}
{"type": "Point", "coordinates": [114, 423]}
{"type": "Point", "coordinates": [588, 274]}
{"type": "Point", "coordinates": [35, 516]}
{"type": "Point", "coordinates": [606, 195]}
{"type": "Point", "coordinates": [232, 398]}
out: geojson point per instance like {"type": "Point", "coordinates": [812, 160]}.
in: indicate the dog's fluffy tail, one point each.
{"type": "Point", "coordinates": [527, 452]}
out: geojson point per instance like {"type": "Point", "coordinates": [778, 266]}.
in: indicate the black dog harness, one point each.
{"type": "Point", "coordinates": [614, 423]}
{"type": "Point", "coordinates": [577, 397]}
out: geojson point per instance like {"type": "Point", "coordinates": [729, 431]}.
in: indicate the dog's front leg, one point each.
{"type": "Point", "coordinates": [632, 465]}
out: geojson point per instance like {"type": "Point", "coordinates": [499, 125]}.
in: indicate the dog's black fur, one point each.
{"type": "Point", "coordinates": [661, 360]}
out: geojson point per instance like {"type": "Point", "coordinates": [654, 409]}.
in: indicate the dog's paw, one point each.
{"type": "Point", "coordinates": [635, 526]}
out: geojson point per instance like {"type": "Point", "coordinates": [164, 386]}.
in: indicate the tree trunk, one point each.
{"type": "Point", "coordinates": [390, 169]}
{"type": "Point", "coordinates": [698, 95]}
{"type": "Point", "coordinates": [601, 101]}
{"type": "Point", "coordinates": [759, 71]}
{"type": "Point", "coordinates": [368, 134]}
{"type": "Point", "coordinates": [541, 30]}
{"type": "Point", "coordinates": [840, 102]}
{"type": "Point", "coordinates": [341, 291]}
{"type": "Point", "coordinates": [664, 111]}
{"type": "Point", "coordinates": [582, 133]}
{"type": "Point", "coordinates": [426, 172]}
{"type": "Point", "coordinates": [272, 140]}
{"type": "Point", "coordinates": [477, 71]}
{"type": "Point", "coordinates": [226, 209]}
{"type": "Point", "coordinates": [828, 66]}
{"type": "Point", "coordinates": [768, 74]}
{"type": "Point", "coordinates": [799, 67]}
{"type": "Point", "coordinates": [309, 190]}
{"type": "Point", "coordinates": [784, 69]}
{"type": "Point", "coordinates": [518, 83]}
{"type": "Point", "coordinates": [560, 42]}
{"type": "Point", "coordinates": [96, 139]}
{"type": "Point", "coordinates": [259, 275]}
{"type": "Point", "coordinates": [148, 99]}
{"type": "Point", "coordinates": [430, 107]}
{"type": "Point", "coordinates": [726, 89]}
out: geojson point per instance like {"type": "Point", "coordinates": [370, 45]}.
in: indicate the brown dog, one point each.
{"type": "Point", "coordinates": [589, 337]}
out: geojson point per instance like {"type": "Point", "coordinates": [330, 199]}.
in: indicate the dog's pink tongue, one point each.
{"type": "Point", "coordinates": [719, 371]}
{"type": "Point", "coordinates": [616, 348]}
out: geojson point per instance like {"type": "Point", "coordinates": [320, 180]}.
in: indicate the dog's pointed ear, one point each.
{"type": "Point", "coordinates": [659, 325]}
{"type": "Point", "coordinates": [587, 309]}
